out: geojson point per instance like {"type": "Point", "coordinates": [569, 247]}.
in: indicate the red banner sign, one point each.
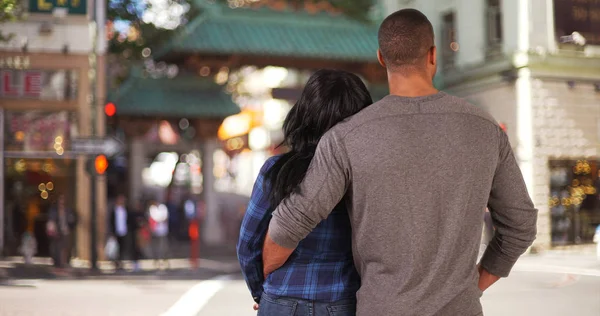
{"type": "Point", "coordinates": [38, 84]}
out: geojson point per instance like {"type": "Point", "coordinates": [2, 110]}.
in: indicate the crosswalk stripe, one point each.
{"type": "Point", "coordinates": [195, 298]}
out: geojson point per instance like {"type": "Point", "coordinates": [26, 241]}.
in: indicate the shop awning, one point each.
{"type": "Point", "coordinates": [187, 96]}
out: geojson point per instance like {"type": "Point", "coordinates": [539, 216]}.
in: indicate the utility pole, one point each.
{"type": "Point", "coordinates": [97, 23]}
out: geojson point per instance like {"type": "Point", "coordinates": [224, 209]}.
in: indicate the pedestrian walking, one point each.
{"type": "Point", "coordinates": [28, 248]}
{"type": "Point", "coordinates": [60, 228]}
{"type": "Point", "coordinates": [29, 245]}
{"type": "Point", "coordinates": [418, 169]}
{"type": "Point", "coordinates": [137, 222]}
{"type": "Point", "coordinates": [120, 226]}
{"type": "Point", "coordinates": [191, 211]}
{"type": "Point", "coordinates": [159, 225]}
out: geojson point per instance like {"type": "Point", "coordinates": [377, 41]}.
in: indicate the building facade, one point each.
{"type": "Point", "coordinates": [52, 81]}
{"type": "Point", "coordinates": [526, 63]}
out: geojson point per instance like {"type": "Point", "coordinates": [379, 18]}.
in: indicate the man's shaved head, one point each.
{"type": "Point", "coordinates": [405, 37]}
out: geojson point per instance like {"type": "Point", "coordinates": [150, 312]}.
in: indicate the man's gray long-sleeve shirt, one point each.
{"type": "Point", "coordinates": [417, 174]}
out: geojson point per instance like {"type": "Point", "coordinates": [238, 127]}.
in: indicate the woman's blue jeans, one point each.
{"type": "Point", "coordinates": [286, 306]}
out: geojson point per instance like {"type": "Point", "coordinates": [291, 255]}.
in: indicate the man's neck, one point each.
{"type": "Point", "coordinates": [410, 85]}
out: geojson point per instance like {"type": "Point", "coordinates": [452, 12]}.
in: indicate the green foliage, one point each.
{"type": "Point", "coordinates": [10, 10]}
{"type": "Point", "coordinates": [129, 42]}
{"type": "Point", "coordinates": [129, 36]}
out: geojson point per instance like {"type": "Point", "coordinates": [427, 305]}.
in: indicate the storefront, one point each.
{"type": "Point", "coordinates": [43, 105]}
{"type": "Point", "coordinates": [36, 172]}
{"type": "Point", "coordinates": [574, 201]}
{"type": "Point", "coordinates": [553, 124]}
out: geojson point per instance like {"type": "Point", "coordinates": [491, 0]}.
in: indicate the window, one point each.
{"type": "Point", "coordinates": [494, 26]}
{"type": "Point", "coordinates": [574, 200]}
{"type": "Point", "coordinates": [449, 41]}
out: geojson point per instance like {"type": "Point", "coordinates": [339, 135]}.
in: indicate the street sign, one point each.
{"type": "Point", "coordinates": [78, 7]}
{"type": "Point", "coordinates": [97, 146]}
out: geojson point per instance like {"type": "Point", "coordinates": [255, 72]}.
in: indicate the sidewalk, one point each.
{"type": "Point", "coordinates": [212, 262]}
{"type": "Point", "coordinates": [559, 261]}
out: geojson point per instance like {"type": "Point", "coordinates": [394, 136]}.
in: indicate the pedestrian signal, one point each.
{"type": "Point", "coordinates": [97, 166]}
{"type": "Point", "coordinates": [100, 164]}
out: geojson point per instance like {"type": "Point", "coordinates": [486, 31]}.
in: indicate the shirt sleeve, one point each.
{"type": "Point", "coordinates": [513, 214]}
{"type": "Point", "coordinates": [252, 235]}
{"type": "Point", "coordinates": [324, 185]}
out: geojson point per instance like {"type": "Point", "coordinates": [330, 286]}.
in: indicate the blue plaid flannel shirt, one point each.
{"type": "Point", "coordinates": [321, 268]}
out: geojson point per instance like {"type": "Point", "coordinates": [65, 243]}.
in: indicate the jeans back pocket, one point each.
{"type": "Point", "coordinates": [272, 306]}
{"type": "Point", "coordinates": [342, 310]}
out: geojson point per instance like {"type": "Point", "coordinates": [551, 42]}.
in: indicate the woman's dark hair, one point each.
{"type": "Point", "coordinates": [329, 97]}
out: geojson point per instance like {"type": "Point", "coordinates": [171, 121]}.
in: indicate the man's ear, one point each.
{"type": "Point", "coordinates": [432, 58]}
{"type": "Point", "coordinates": [380, 58]}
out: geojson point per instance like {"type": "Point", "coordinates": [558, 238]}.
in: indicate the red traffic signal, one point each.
{"type": "Point", "coordinates": [110, 109]}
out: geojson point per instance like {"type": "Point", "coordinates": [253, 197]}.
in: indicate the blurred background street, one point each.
{"type": "Point", "coordinates": [133, 131]}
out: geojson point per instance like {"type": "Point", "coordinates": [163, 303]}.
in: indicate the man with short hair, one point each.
{"type": "Point", "coordinates": [417, 170]}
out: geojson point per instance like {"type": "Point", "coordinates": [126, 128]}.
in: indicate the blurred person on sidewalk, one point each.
{"type": "Point", "coordinates": [62, 221]}
{"type": "Point", "coordinates": [159, 225]}
{"type": "Point", "coordinates": [320, 275]}
{"type": "Point", "coordinates": [193, 212]}
{"type": "Point", "coordinates": [137, 222]}
{"type": "Point", "coordinates": [174, 207]}
{"type": "Point", "coordinates": [120, 225]}
{"type": "Point", "coordinates": [29, 245]}
{"type": "Point", "coordinates": [419, 167]}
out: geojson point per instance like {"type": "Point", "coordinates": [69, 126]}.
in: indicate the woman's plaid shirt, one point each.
{"type": "Point", "coordinates": [320, 269]}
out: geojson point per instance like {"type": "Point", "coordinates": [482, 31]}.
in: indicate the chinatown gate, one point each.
{"type": "Point", "coordinates": [185, 113]}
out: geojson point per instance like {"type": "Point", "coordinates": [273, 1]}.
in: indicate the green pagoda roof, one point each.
{"type": "Point", "coordinates": [275, 33]}
{"type": "Point", "coordinates": [187, 96]}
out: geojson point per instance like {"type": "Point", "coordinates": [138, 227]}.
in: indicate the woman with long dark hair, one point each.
{"type": "Point", "coordinates": [319, 278]}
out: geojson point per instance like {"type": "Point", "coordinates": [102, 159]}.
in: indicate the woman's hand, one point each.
{"type": "Point", "coordinates": [274, 256]}
{"type": "Point", "coordinates": [255, 307]}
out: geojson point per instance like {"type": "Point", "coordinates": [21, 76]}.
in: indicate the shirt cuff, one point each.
{"type": "Point", "coordinates": [280, 235]}
{"type": "Point", "coordinates": [496, 263]}
{"type": "Point", "coordinates": [256, 296]}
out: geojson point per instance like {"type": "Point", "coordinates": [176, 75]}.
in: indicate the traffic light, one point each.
{"type": "Point", "coordinates": [97, 166]}
{"type": "Point", "coordinates": [110, 109]}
